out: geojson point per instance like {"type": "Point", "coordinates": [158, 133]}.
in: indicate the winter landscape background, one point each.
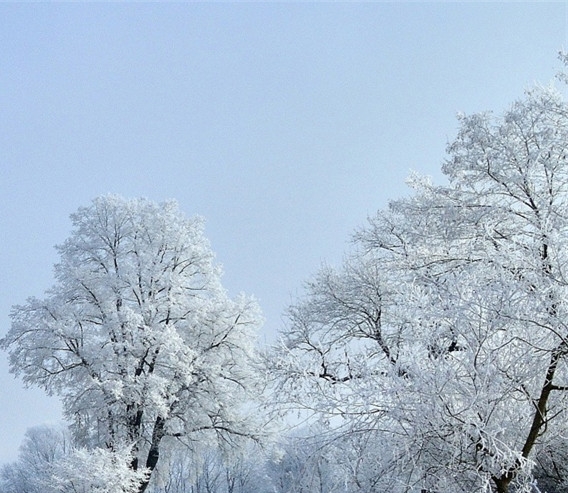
{"type": "Point", "coordinates": [284, 125]}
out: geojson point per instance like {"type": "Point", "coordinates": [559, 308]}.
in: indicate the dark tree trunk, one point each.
{"type": "Point", "coordinates": [502, 484]}
{"type": "Point", "coordinates": [154, 452]}
{"type": "Point", "coordinates": [539, 420]}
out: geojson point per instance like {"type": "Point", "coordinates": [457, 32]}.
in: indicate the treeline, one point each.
{"type": "Point", "coordinates": [302, 463]}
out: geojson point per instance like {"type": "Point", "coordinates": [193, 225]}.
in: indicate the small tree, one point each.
{"type": "Point", "coordinates": [42, 448]}
{"type": "Point", "coordinates": [97, 470]}
{"type": "Point", "coordinates": [138, 336]}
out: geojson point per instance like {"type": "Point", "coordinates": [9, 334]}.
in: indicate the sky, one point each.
{"type": "Point", "coordinates": [285, 125]}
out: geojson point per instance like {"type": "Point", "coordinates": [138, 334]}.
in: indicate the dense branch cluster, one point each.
{"type": "Point", "coordinates": [444, 334]}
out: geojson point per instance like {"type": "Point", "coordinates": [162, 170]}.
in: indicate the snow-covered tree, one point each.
{"type": "Point", "coordinates": [48, 462]}
{"type": "Point", "coordinates": [209, 469]}
{"type": "Point", "coordinates": [305, 464]}
{"type": "Point", "coordinates": [97, 470]}
{"type": "Point", "coordinates": [138, 336]}
{"type": "Point", "coordinates": [443, 338]}
{"type": "Point", "coordinates": [42, 447]}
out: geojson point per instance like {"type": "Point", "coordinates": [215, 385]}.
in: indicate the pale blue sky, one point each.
{"type": "Point", "coordinates": [284, 125]}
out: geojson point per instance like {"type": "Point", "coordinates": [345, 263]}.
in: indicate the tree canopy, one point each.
{"type": "Point", "coordinates": [138, 336]}
{"type": "Point", "coordinates": [443, 336]}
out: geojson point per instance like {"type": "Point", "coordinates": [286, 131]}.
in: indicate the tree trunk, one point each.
{"type": "Point", "coordinates": [539, 419]}
{"type": "Point", "coordinates": [154, 452]}
{"type": "Point", "coordinates": [502, 484]}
